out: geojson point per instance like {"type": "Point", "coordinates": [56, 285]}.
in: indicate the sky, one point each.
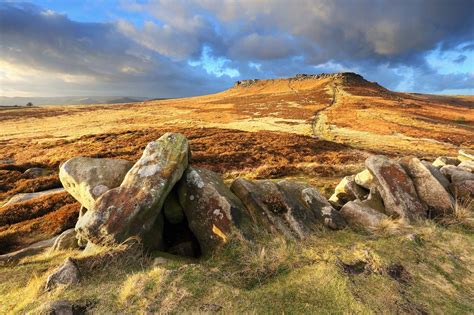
{"type": "Point", "coordinates": [177, 48]}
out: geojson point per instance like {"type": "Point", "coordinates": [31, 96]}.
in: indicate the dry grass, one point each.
{"type": "Point", "coordinates": [463, 214]}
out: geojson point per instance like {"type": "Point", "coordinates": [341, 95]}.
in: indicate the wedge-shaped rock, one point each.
{"type": "Point", "coordinates": [429, 189]}
{"type": "Point", "coordinates": [443, 180]}
{"type": "Point", "coordinates": [214, 213]}
{"type": "Point", "coordinates": [86, 179]}
{"type": "Point", "coordinates": [374, 200]}
{"type": "Point", "coordinates": [131, 209]}
{"type": "Point", "coordinates": [396, 188]}
{"type": "Point", "coordinates": [356, 213]}
{"type": "Point", "coordinates": [445, 160]}
{"type": "Point", "coordinates": [348, 190]}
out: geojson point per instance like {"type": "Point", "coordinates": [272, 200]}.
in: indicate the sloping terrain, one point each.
{"type": "Point", "coordinates": [316, 129]}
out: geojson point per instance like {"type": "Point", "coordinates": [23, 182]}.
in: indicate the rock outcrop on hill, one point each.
{"type": "Point", "coordinates": [165, 203]}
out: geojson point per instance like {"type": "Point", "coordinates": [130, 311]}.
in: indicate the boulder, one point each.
{"type": "Point", "coordinates": [466, 155]}
{"type": "Point", "coordinates": [172, 209]}
{"type": "Point", "coordinates": [66, 240]}
{"type": "Point", "coordinates": [356, 213]}
{"type": "Point", "coordinates": [67, 274]}
{"type": "Point", "coordinates": [266, 205]}
{"type": "Point", "coordinates": [289, 208]}
{"type": "Point", "coordinates": [86, 179]}
{"type": "Point", "coordinates": [364, 179]}
{"type": "Point", "coordinates": [467, 166]}
{"type": "Point", "coordinates": [214, 213]}
{"type": "Point", "coordinates": [298, 193]}
{"type": "Point", "coordinates": [396, 188]}
{"type": "Point", "coordinates": [23, 197]}
{"type": "Point", "coordinates": [348, 190]}
{"type": "Point", "coordinates": [430, 191]}
{"type": "Point", "coordinates": [463, 189]}
{"type": "Point", "coordinates": [437, 174]}
{"type": "Point", "coordinates": [61, 307]}
{"type": "Point", "coordinates": [445, 160]}
{"type": "Point", "coordinates": [131, 209]}
{"type": "Point", "coordinates": [456, 174]}
{"type": "Point", "coordinates": [35, 172]}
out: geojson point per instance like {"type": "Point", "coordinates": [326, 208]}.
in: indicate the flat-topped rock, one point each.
{"type": "Point", "coordinates": [23, 197]}
{"type": "Point", "coordinates": [356, 213]}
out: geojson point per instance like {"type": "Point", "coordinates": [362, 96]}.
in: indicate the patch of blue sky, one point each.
{"type": "Point", "coordinates": [217, 66]}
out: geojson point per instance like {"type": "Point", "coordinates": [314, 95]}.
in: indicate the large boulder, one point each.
{"type": "Point", "coordinates": [358, 214]}
{"type": "Point", "coordinates": [67, 274]}
{"type": "Point", "coordinates": [214, 213]}
{"type": "Point", "coordinates": [289, 208]}
{"type": "Point", "coordinates": [396, 188]}
{"type": "Point", "coordinates": [456, 174]}
{"type": "Point", "coordinates": [429, 189]}
{"type": "Point", "coordinates": [347, 190]}
{"type": "Point", "coordinates": [23, 197]}
{"type": "Point", "coordinates": [298, 194]}
{"type": "Point", "coordinates": [86, 179]}
{"type": "Point", "coordinates": [131, 209]}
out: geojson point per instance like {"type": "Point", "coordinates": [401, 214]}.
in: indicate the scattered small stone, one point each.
{"type": "Point", "coordinates": [210, 307]}
{"type": "Point", "coordinates": [67, 274]}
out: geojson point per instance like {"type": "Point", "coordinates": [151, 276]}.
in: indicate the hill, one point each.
{"type": "Point", "coordinates": [312, 128]}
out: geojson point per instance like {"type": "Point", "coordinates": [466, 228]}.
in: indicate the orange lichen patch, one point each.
{"type": "Point", "coordinates": [19, 235]}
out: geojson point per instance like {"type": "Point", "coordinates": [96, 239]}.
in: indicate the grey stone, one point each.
{"type": "Point", "coordinates": [67, 274]}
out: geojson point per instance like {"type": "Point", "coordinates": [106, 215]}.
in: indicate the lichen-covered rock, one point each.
{"type": "Point", "coordinates": [172, 209]}
{"type": "Point", "coordinates": [67, 274]}
{"type": "Point", "coordinates": [23, 197]}
{"type": "Point", "coordinates": [466, 155]}
{"type": "Point", "coordinates": [463, 189]}
{"type": "Point", "coordinates": [437, 174]}
{"type": "Point", "coordinates": [445, 160]}
{"type": "Point", "coordinates": [364, 179]}
{"type": "Point", "coordinates": [396, 188]}
{"type": "Point", "coordinates": [266, 205]}
{"type": "Point", "coordinates": [131, 209]}
{"type": "Point", "coordinates": [86, 179]}
{"type": "Point", "coordinates": [456, 174]}
{"type": "Point", "coordinates": [429, 189]}
{"type": "Point", "coordinates": [348, 190]}
{"type": "Point", "coordinates": [214, 213]}
{"type": "Point", "coordinates": [66, 240]}
{"type": "Point", "coordinates": [289, 208]}
{"type": "Point", "coordinates": [356, 213]}
{"type": "Point", "coordinates": [300, 193]}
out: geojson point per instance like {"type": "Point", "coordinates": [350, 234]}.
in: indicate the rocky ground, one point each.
{"type": "Point", "coordinates": [271, 195]}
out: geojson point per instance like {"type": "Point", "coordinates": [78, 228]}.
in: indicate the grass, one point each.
{"type": "Point", "coordinates": [331, 272]}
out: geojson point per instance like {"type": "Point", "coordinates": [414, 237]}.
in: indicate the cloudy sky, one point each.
{"type": "Point", "coordinates": [171, 48]}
